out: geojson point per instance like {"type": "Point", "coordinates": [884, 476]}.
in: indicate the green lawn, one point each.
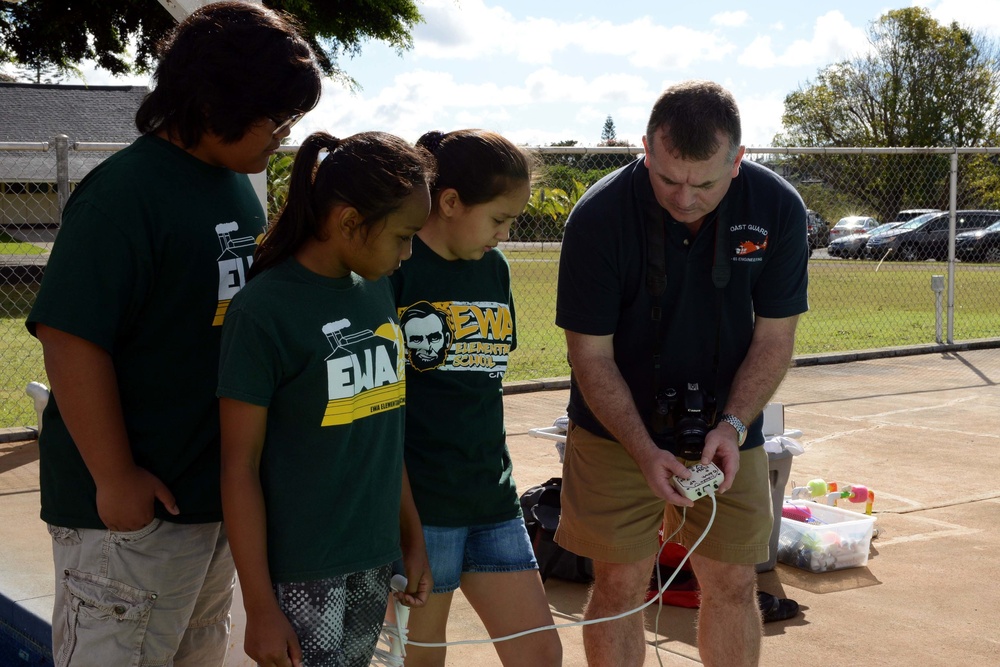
{"type": "Point", "coordinates": [11, 246]}
{"type": "Point", "coordinates": [20, 356]}
{"type": "Point", "coordinates": [853, 306]}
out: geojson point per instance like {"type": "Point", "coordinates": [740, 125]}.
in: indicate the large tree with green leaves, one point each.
{"type": "Point", "coordinates": [62, 33]}
{"type": "Point", "coordinates": [922, 83]}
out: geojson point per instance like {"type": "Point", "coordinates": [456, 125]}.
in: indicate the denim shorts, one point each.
{"type": "Point", "coordinates": [492, 547]}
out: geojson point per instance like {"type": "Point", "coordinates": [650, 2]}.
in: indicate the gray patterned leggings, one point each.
{"type": "Point", "coordinates": [337, 620]}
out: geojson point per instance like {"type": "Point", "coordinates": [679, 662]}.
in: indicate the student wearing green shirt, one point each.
{"type": "Point", "coordinates": [153, 245]}
{"type": "Point", "coordinates": [312, 389]}
{"type": "Point", "coordinates": [457, 313]}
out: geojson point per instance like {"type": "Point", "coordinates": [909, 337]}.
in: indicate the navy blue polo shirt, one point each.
{"type": "Point", "coordinates": [602, 282]}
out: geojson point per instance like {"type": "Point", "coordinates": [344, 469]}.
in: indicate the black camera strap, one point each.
{"type": "Point", "coordinates": [656, 275]}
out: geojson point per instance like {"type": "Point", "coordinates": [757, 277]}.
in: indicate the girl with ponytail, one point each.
{"type": "Point", "coordinates": [457, 312]}
{"type": "Point", "coordinates": [316, 500]}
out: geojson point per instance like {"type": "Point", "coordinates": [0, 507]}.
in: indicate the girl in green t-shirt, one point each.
{"type": "Point", "coordinates": [455, 306]}
{"type": "Point", "coordinates": [316, 501]}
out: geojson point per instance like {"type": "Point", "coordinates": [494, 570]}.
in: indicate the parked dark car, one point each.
{"type": "Point", "coordinates": [853, 246]}
{"type": "Point", "coordinates": [981, 245]}
{"type": "Point", "coordinates": [878, 250]}
{"type": "Point", "coordinates": [927, 238]}
{"type": "Point", "coordinates": [911, 213]}
{"type": "Point", "coordinates": [817, 230]}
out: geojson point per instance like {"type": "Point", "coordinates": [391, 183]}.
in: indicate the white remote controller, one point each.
{"type": "Point", "coordinates": [398, 583]}
{"type": "Point", "coordinates": [703, 482]}
{"type": "Point", "coordinates": [396, 634]}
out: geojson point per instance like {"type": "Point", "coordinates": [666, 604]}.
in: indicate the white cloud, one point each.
{"type": "Point", "coordinates": [420, 100]}
{"type": "Point", "coordinates": [474, 30]}
{"type": "Point", "coordinates": [833, 39]}
{"type": "Point", "coordinates": [979, 15]}
{"type": "Point", "coordinates": [731, 19]}
{"type": "Point", "coordinates": [760, 116]}
{"type": "Point", "coordinates": [550, 85]}
{"type": "Point", "coordinates": [758, 54]}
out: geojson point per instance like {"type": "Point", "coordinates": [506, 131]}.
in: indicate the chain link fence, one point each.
{"type": "Point", "coordinates": [35, 181]}
{"type": "Point", "coordinates": [860, 303]}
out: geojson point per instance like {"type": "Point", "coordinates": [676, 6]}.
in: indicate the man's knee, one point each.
{"type": "Point", "coordinates": [620, 584]}
{"type": "Point", "coordinates": [734, 581]}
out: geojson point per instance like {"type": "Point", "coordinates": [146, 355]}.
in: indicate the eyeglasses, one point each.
{"type": "Point", "coordinates": [282, 124]}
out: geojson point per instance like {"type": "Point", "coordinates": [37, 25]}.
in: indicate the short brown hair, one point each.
{"type": "Point", "coordinates": [692, 113]}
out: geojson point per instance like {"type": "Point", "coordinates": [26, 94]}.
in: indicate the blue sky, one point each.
{"type": "Point", "coordinates": [543, 71]}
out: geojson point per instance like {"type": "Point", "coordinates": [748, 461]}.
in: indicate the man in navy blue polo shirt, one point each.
{"type": "Point", "coordinates": [681, 280]}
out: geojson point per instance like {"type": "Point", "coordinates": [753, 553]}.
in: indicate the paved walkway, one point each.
{"type": "Point", "coordinates": [922, 431]}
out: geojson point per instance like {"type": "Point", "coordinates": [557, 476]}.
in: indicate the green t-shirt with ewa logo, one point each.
{"type": "Point", "coordinates": [458, 323]}
{"type": "Point", "coordinates": [325, 357]}
{"type": "Point", "coordinates": [153, 245]}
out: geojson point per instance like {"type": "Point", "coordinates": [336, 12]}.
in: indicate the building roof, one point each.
{"type": "Point", "coordinates": [39, 112]}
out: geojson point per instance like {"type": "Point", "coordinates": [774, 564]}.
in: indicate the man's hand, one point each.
{"type": "Point", "coordinates": [721, 448]}
{"type": "Point", "coordinates": [658, 466]}
{"type": "Point", "coordinates": [126, 504]}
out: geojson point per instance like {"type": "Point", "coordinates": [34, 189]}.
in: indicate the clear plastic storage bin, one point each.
{"type": "Point", "coordinates": [834, 540]}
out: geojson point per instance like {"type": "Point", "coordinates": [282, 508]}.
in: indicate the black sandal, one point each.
{"type": "Point", "coordinates": [773, 608]}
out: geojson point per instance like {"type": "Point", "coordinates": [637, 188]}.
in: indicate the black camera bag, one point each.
{"type": "Point", "coordinates": [541, 506]}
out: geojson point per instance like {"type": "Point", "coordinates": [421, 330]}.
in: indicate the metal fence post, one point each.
{"type": "Point", "coordinates": [937, 284]}
{"type": "Point", "coordinates": [62, 171]}
{"type": "Point", "coordinates": [953, 206]}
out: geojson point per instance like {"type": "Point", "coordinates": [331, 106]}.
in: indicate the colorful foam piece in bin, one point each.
{"type": "Point", "coordinates": [820, 491]}
{"type": "Point", "coordinates": [798, 513]}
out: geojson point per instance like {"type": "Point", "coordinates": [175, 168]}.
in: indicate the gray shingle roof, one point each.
{"type": "Point", "coordinates": [38, 112]}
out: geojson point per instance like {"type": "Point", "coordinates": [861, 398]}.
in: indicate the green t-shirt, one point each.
{"type": "Point", "coordinates": [458, 322]}
{"type": "Point", "coordinates": [325, 356]}
{"type": "Point", "coordinates": [153, 245]}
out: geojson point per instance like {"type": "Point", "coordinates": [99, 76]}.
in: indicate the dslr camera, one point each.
{"type": "Point", "coordinates": [688, 416]}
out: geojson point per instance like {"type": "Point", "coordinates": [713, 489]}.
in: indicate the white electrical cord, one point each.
{"type": "Point", "coordinates": [559, 626]}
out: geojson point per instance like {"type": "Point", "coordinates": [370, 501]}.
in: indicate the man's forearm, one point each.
{"type": "Point", "coordinates": [610, 400]}
{"type": "Point", "coordinates": [763, 368]}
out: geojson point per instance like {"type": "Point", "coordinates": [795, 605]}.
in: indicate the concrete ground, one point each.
{"type": "Point", "coordinates": [922, 431]}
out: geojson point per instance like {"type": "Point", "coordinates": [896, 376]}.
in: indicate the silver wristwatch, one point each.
{"type": "Point", "coordinates": [741, 429]}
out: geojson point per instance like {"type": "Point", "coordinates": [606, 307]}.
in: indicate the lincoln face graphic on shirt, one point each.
{"type": "Point", "coordinates": [458, 336]}
{"type": "Point", "coordinates": [428, 335]}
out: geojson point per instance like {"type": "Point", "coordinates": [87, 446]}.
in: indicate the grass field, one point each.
{"type": "Point", "coordinates": [853, 307]}
{"type": "Point", "coordinates": [11, 246]}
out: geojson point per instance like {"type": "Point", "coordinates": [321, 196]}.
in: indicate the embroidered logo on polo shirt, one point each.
{"type": "Point", "coordinates": [751, 240]}
{"type": "Point", "coordinates": [749, 247]}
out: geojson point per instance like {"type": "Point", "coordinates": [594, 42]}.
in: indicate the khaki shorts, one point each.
{"type": "Point", "coordinates": [159, 595]}
{"type": "Point", "coordinates": [610, 515]}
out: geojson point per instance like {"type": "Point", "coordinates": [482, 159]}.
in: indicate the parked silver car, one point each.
{"type": "Point", "coordinates": [852, 224]}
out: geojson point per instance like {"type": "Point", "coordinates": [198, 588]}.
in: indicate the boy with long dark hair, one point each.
{"type": "Point", "coordinates": [153, 245]}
